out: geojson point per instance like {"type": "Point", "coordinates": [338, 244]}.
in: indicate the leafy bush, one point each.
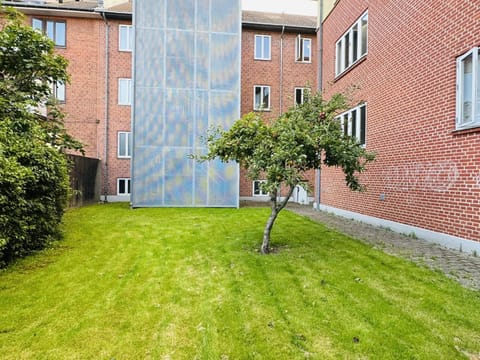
{"type": "Point", "coordinates": [33, 167]}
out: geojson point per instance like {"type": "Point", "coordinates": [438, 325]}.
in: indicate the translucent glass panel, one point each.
{"type": "Point", "coordinates": [187, 78]}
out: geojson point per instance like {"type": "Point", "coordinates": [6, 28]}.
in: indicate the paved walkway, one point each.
{"type": "Point", "coordinates": [465, 268]}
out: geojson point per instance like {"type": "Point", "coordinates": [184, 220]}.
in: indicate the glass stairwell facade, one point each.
{"type": "Point", "coordinates": [186, 79]}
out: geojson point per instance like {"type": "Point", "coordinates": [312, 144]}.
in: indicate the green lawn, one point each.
{"type": "Point", "coordinates": [190, 284]}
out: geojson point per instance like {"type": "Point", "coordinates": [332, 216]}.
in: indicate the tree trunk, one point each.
{"type": "Point", "coordinates": [265, 249]}
{"type": "Point", "coordinates": [268, 229]}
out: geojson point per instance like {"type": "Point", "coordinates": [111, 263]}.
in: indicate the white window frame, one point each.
{"type": "Point", "coordinates": [127, 186]}
{"type": "Point", "coordinates": [125, 30]}
{"type": "Point", "coordinates": [259, 107]}
{"type": "Point", "coordinates": [58, 91]}
{"type": "Point", "coordinates": [302, 90]}
{"type": "Point", "coordinates": [124, 84]}
{"type": "Point", "coordinates": [346, 54]}
{"type": "Point", "coordinates": [44, 29]}
{"type": "Point", "coordinates": [262, 50]}
{"type": "Point", "coordinates": [352, 119]}
{"type": "Point", "coordinates": [261, 193]}
{"type": "Point", "coordinates": [475, 91]}
{"type": "Point", "coordinates": [300, 49]}
{"type": "Point", "coordinates": [127, 135]}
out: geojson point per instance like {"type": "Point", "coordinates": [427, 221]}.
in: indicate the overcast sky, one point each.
{"type": "Point", "coordinates": [300, 7]}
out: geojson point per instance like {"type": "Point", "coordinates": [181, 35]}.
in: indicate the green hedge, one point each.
{"type": "Point", "coordinates": [33, 190]}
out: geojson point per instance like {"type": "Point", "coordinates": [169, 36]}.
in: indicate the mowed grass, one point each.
{"type": "Point", "coordinates": [190, 284]}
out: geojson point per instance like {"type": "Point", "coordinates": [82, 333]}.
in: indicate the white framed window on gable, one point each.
{"type": "Point", "coordinates": [352, 46]}
{"type": "Point", "coordinates": [125, 37]}
{"type": "Point", "coordinates": [123, 186]}
{"type": "Point", "coordinates": [303, 49]}
{"type": "Point", "coordinates": [124, 91]}
{"type": "Point", "coordinates": [124, 144]}
{"type": "Point", "coordinates": [261, 99]}
{"type": "Point", "coordinates": [263, 47]}
{"type": "Point", "coordinates": [354, 123]}
{"type": "Point", "coordinates": [257, 188]}
{"type": "Point", "coordinates": [54, 29]}
{"type": "Point", "coordinates": [468, 90]}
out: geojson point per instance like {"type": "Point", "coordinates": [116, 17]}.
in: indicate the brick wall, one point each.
{"type": "Point", "coordinates": [120, 66]}
{"type": "Point", "coordinates": [83, 94]}
{"type": "Point", "coordinates": [268, 72]}
{"type": "Point", "coordinates": [426, 173]}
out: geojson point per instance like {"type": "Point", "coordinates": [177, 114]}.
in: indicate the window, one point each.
{"type": "Point", "coordinates": [58, 91]}
{"type": "Point", "coordinates": [354, 123]}
{"type": "Point", "coordinates": [124, 144]}
{"type": "Point", "coordinates": [123, 186]}
{"type": "Point", "coordinates": [303, 49]}
{"type": "Point", "coordinates": [55, 30]}
{"type": "Point", "coordinates": [124, 91]}
{"type": "Point", "coordinates": [262, 47]}
{"type": "Point", "coordinates": [125, 38]}
{"type": "Point", "coordinates": [261, 98]}
{"type": "Point", "coordinates": [300, 94]}
{"type": "Point", "coordinates": [468, 90]}
{"type": "Point", "coordinates": [257, 188]}
{"type": "Point", "coordinates": [352, 46]}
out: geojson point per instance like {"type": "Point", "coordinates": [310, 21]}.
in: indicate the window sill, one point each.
{"type": "Point", "coordinates": [302, 62]}
{"type": "Point", "coordinates": [353, 66]}
{"type": "Point", "coordinates": [124, 157]}
{"type": "Point", "coordinates": [466, 130]}
{"type": "Point", "coordinates": [262, 110]}
{"type": "Point", "coordinates": [258, 59]}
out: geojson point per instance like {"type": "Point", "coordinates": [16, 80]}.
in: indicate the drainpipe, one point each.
{"type": "Point", "coordinates": [107, 99]}
{"type": "Point", "coordinates": [319, 88]}
{"type": "Point", "coordinates": [281, 69]}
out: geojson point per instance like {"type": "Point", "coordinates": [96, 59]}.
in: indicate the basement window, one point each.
{"type": "Point", "coordinates": [123, 186]}
{"type": "Point", "coordinates": [257, 188]}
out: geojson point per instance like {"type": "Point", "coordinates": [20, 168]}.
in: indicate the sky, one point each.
{"type": "Point", "coordinates": [299, 7]}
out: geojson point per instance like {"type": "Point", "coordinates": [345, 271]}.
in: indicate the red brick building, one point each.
{"type": "Point", "coordinates": [417, 70]}
{"type": "Point", "coordinates": [98, 112]}
{"type": "Point", "coordinates": [278, 59]}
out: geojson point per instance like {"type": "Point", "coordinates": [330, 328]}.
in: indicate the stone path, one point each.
{"type": "Point", "coordinates": [463, 267]}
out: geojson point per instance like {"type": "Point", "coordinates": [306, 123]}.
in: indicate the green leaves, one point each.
{"type": "Point", "coordinates": [282, 151]}
{"type": "Point", "coordinates": [33, 169]}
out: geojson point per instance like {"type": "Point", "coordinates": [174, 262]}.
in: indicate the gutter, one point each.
{"type": "Point", "coordinates": [107, 108]}
{"type": "Point", "coordinates": [279, 27]}
{"type": "Point", "coordinates": [281, 69]}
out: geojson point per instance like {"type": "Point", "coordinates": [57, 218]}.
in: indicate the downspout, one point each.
{"type": "Point", "coordinates": [107, 99]}
{"type": "Point", "coordinates": [281, 87]}
{"type": "Point", "coordinates": [281, 69]}
{"type": "Point", "coordinates": [319, 88]}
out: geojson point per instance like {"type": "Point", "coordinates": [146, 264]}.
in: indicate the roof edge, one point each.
{"type": "Point", "coordinates": [278, 27]}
